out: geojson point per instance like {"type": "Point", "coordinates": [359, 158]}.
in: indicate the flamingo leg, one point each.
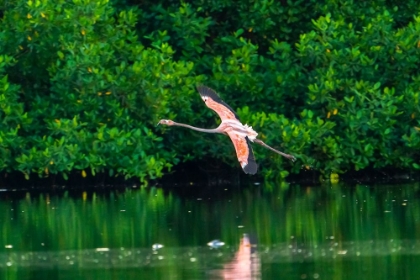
{"type": "Point", "coordinates": [258, 141]}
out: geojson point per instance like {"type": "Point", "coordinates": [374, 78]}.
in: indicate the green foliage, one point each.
{"type": "Point", "coordinates": [90, 91]}
{"type": "Point", "coordinates": [83, 83]}
{"type": "Point", "coordinates": [367, 83]}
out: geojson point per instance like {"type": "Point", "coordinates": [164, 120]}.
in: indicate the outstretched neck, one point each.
{"type": "Point", "coordinates": [211, 130]}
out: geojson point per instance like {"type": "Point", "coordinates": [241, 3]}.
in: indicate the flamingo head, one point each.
{"type": "Point", "coordinates": [166, 122]}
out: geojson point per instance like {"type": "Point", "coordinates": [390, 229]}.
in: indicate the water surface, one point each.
{"type": "Point", "coordinates": [268, 231]}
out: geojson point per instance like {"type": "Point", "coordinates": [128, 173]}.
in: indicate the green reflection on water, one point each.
{"type": "Point", "coordinates": [329, 232]}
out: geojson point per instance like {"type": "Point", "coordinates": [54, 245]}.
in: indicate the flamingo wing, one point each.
{"type": "Point", "coordinates": [214, 102]}
{"type": "Point", "coordinates": [244, 152]}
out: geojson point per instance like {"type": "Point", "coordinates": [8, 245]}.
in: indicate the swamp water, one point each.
{"type": "Point", "coordinates": [288, 232]}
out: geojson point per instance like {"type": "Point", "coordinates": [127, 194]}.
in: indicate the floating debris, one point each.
{"type": "Point", "coordinates": [157, 246]}
{"type": "Point", "coordinates": [102, 249]}
{"type": "Point", "coordinates": [216, 243]}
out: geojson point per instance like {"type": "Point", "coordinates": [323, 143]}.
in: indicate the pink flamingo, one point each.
{"type": "Point", "coordinates": [241, 135]}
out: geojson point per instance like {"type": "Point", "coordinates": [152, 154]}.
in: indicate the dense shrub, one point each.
{"type": "Point", "coordinates": [83, 83]}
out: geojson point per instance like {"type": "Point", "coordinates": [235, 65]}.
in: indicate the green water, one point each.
{"type": "Point", "coordinates": [295, 232]}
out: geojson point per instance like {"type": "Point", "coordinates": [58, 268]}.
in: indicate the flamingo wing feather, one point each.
{"type": "Point", "coordinates": [244, 153]}
{"type": "Point", "coordinates": [214, 102]}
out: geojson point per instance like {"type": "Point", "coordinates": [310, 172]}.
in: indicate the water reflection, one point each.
{"type": "Point", "coordinates": [335, 232]}
{"type": "Point", "coordinates": [246, 263]}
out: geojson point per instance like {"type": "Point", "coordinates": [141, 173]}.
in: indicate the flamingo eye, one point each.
{"type": "Point", "coordinates": [205, 98]}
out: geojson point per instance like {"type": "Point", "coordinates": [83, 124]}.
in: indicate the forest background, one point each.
{"type": "Point", "coordinates": [83, 84]}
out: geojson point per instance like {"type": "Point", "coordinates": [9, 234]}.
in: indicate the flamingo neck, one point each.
{"type": "Point", "coordinates": [211, 130]}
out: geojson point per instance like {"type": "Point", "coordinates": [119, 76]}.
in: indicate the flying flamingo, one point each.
{"type": "Point", "coordinates": [241, 135]}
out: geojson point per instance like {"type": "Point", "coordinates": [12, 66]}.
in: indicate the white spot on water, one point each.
{"type": "Point", "coordinates": [157, 246]}
{"type": "Point", "coordinates": [102, 249]}
{"type": "Point", "coordinates": [216, 243]}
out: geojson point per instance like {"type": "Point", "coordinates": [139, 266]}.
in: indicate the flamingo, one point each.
{"type": "Point", "coordinates": [241, 135]}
